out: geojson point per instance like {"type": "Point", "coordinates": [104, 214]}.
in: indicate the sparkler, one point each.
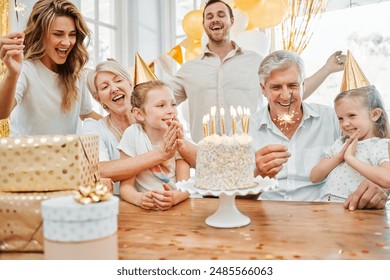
{"type": "Point", "coordinates": [19, 9]}
{"type": "Point", "coordinates": [287, 119]}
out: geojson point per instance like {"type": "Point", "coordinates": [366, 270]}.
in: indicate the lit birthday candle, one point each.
{"type": "Point", "coordinates": [204, 121]}
{"type": "Point", "coordinates": [241, 116]}
{"type": "Point", "coordinates": [212, 113]}
{"type": "Point", "coordinates": [233, 114]}
{"type": "Point", "coordinates": [247, 113]}
{"type": "Point", "coordinates": [207, 124]}
{"type": "Point", "coordinates": [222, 113]}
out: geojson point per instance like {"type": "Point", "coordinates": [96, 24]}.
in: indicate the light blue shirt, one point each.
{"type": "Point", "coordinates": [318, 130]}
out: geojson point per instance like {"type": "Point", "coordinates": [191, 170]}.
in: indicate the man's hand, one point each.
{"type": "Point", "coordinates": [367, 196]}
{"type": "Point", "coordinates": [270, 160]}
{"type": "Point", "coordinates": [335, 62]}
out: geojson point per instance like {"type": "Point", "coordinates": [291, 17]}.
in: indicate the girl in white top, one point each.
{"type": "Point", "coordinates": [363, 151]}
{"type": "Point", "coordinates": [153, 107]}
{"type": "Point", "coordinates": [46, 87]}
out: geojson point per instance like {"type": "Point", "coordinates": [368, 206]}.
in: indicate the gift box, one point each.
{"type": "Point", "coordinates": [21, 220]}
{"type": "Point", "coordinates": [75, 231]}
{"type": "Point", "coordinates": [48, 163]}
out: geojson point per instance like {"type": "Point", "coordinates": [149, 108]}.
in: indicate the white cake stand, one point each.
{"type": "Point", "coordinates": [227, 215]}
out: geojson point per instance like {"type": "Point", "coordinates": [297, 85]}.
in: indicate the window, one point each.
{"type": "Point", "coordinates": [181, 9]}
{"type": "Point", "coordinates": [102, 20]}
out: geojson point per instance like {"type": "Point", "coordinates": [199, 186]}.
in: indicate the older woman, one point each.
{"type": "Point", "coordinates": [110, 85]}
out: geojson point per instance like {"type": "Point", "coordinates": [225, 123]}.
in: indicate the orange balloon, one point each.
{"type": "Point", "coordinates": [268, 14]}
{"type": "Point", "coordinates": [193, 24]}
{"type": "Point", "coordinates": [247, 4]}
{"type": "Point", "coordinates": [193, 50]}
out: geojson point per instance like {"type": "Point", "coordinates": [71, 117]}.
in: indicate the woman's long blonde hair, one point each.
{"type": "Point", "coordinates": [37, 30]}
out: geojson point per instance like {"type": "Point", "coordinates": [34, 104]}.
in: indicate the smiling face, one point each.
{"type": "Point", "coordinates": [60, 40]}
{"type": "Point", "coordinates": [283, 90]}
{"type": "Point", "coordinates": [217, 22]}
{"type": "Point", "coordinates": [114, 91]}
{"type": "Point", "coordinates": [160, 106]}
{"type": "Point", "coordinates": [353, 117]}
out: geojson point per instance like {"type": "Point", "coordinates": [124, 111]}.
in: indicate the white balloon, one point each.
{"type": "Point", "coordinates": [240, 21]}
{"type": "Point", "coordinates": [254, 40]}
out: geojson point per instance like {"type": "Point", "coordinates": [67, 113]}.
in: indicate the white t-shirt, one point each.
{"type": "Point", "coordinates": [107, 141]}
{"type": "Point", "coordinates": [39, 97]}
{"type": "Point", "coordinates": [136, 142]}
{"type": "Point", "coordinates": [343, 179]}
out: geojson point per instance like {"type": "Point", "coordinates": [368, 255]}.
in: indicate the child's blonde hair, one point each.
{"type": "Point", "coordinates": [370, 99]}
{"type": "Point", "coordinates": [139, 96]}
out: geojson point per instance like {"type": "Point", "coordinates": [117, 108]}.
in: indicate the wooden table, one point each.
{"type": "Point", "coordinates": [278, 230]}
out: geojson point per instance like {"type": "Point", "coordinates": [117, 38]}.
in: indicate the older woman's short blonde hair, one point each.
{"type": "Point", "coordinates": [112, 66]}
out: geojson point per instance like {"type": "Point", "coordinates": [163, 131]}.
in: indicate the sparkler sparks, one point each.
{"type": "Point", "coordinates": [19, 8]}
{"type": "Point", "coordinates": [288, 118]}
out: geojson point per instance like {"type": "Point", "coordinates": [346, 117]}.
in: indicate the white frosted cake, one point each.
{"type": "Point", "coordinates": [225, 163]}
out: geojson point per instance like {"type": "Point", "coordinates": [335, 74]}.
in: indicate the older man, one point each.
{"type": "Point", "coordinates": [290, 135]}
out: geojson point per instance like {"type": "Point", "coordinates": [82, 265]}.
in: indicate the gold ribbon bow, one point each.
{"type": "Point", "coordinates": [93, 194]}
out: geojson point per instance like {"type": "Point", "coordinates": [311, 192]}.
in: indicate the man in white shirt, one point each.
{"type": "Point", "coordinates": [290, 136]}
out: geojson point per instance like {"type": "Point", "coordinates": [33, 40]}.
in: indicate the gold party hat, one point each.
{"type": "Point", "coordinates": [353, 76]}
{"type": "Point", "coordinates": [142, 72]}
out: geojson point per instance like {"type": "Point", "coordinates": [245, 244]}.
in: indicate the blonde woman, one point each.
{"type": "Point", "coordinates": [43, 90]}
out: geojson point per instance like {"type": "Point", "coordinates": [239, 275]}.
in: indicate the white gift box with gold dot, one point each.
{"type": "Point", "coordinates": [72, 230]}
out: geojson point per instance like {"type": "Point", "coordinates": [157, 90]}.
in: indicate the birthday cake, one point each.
{"type": "Point", "coordinates": [225, 163]}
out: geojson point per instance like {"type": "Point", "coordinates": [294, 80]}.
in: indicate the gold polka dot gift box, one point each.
{"type": "Point", "coordinates": [21, 221]}
{"type": "Point", "coordinates": [76, 231]}
{"type": "Point", "coordinates": [48, 162]}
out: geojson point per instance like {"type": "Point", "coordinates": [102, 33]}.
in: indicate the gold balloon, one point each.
{"type": "Point", "coordinates": [247, 4]}
{"type": "Point", "coordinates": [194, 50]}
{"type": "Point", "coordinates": [268, 13]}
{"type": "Point", "coordinates": [192, 24]}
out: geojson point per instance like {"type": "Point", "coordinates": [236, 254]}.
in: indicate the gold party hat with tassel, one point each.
{"type": "Point", "coordinates": [142, 72]}
{"type": "Point", "coordinates": [353, 76]}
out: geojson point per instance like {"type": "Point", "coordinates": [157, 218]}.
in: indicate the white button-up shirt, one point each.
{"type": "Point", "coordinates": [318, 130]}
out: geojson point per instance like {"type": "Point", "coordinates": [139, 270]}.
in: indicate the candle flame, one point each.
{"type": "Point", "coordinates": [233, 112]}
{"type": "Point", "coordinates": [239, 111]}
{"type": "Point", "coordinates": [213, 111]}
